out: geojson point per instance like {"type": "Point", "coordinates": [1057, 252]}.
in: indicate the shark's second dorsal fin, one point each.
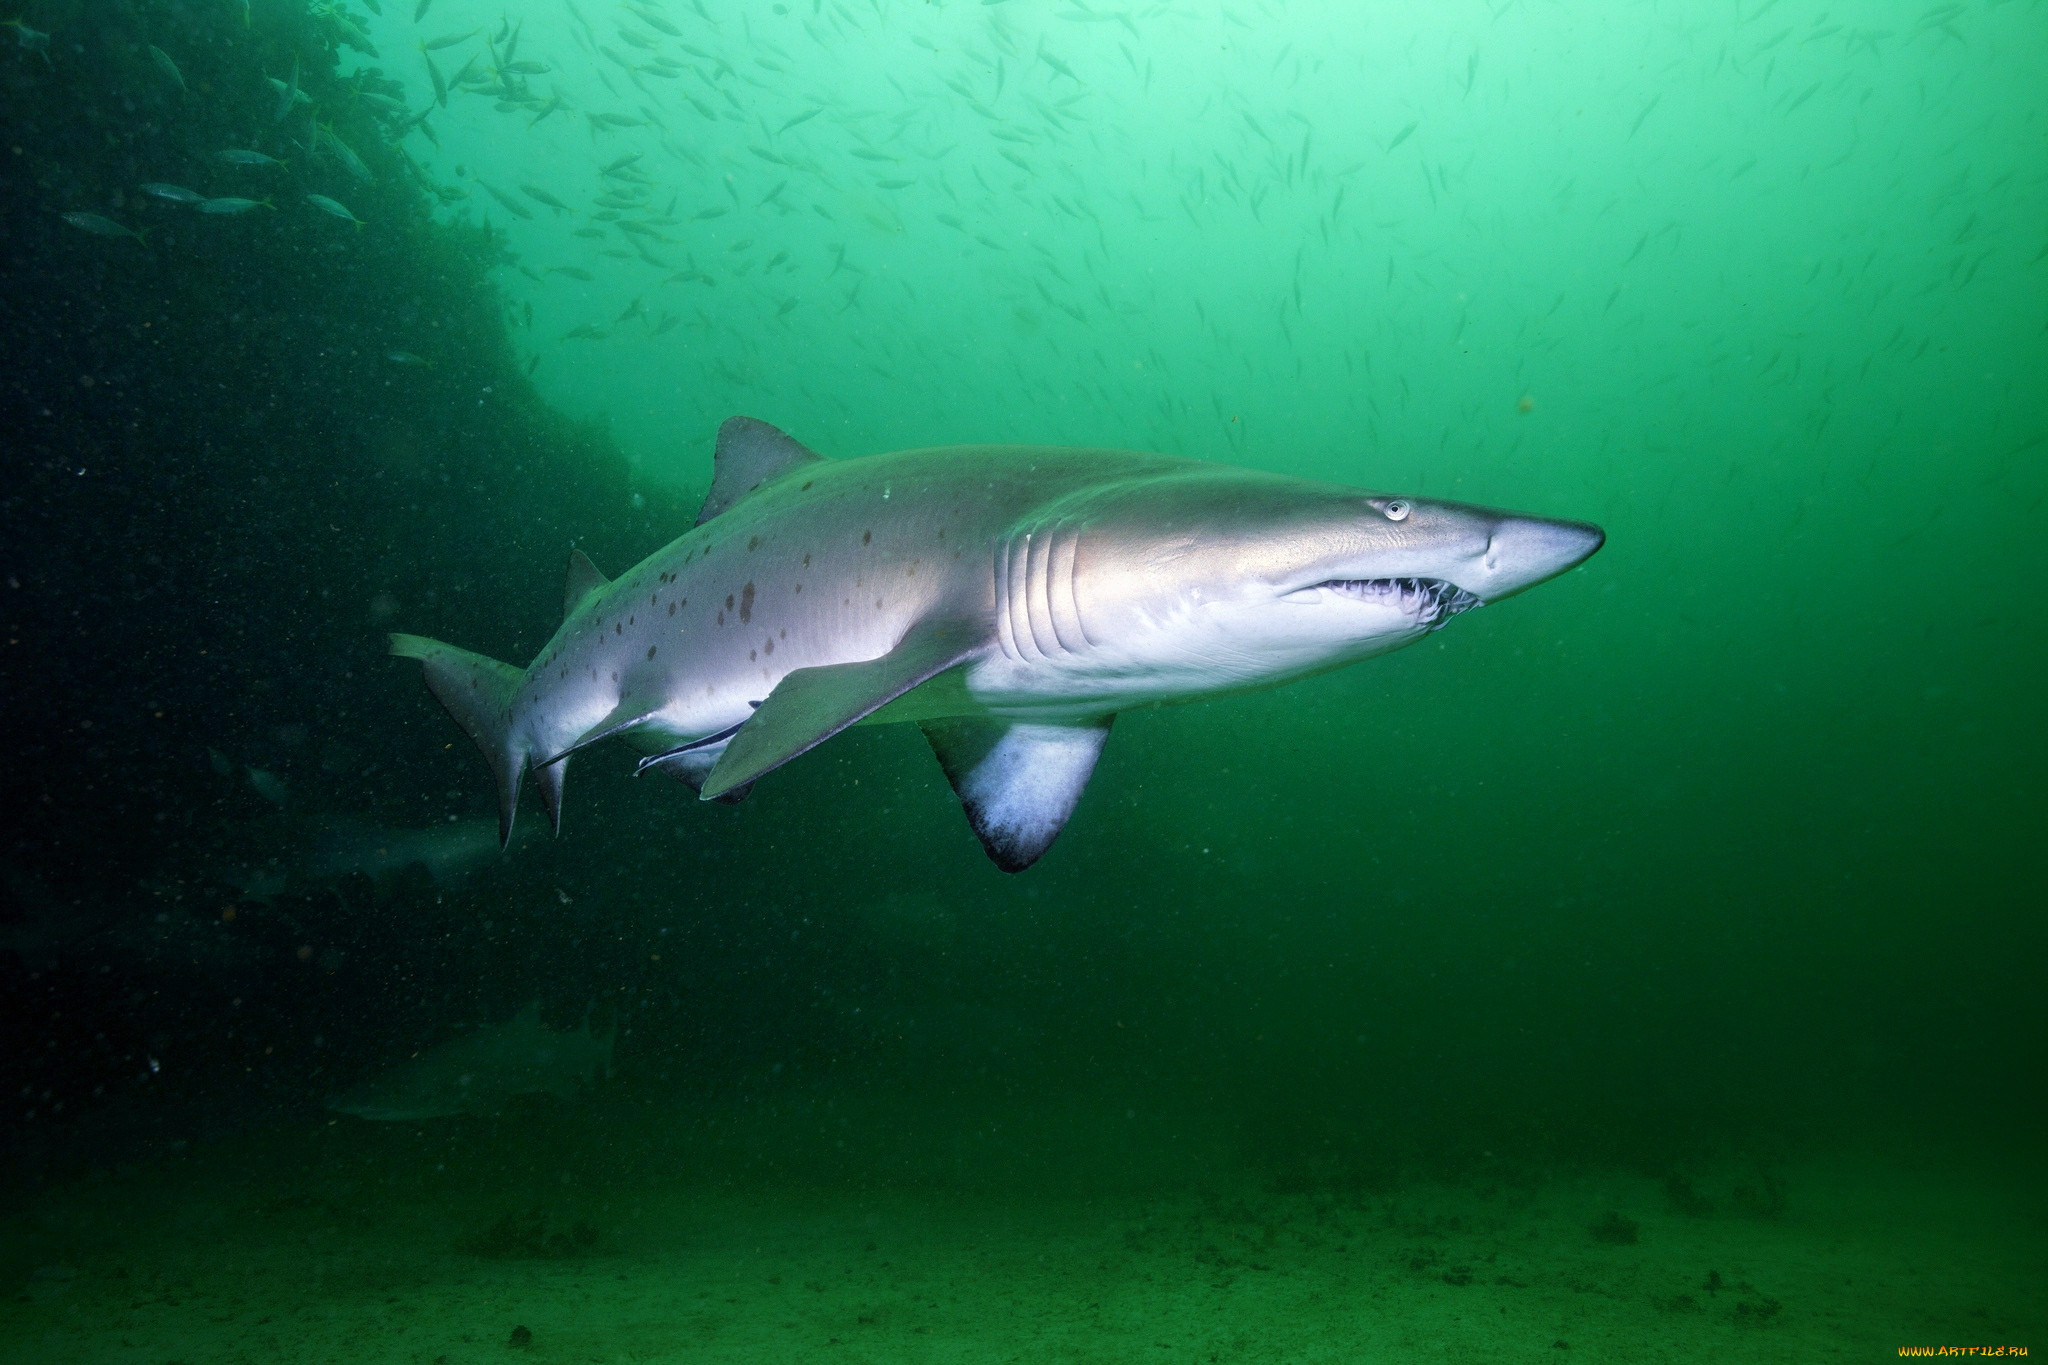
{"type": "Point", "coordinates": [749, 454]}
{"type": "Point", "coordinates": [584, 579]}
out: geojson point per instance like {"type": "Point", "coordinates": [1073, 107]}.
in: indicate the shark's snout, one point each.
{"type": "Point", "coordinates": [1524, 551]}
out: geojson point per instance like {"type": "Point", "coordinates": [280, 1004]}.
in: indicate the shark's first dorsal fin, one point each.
{"type": "Point", "coordinates": [584, 579]}
{"type": "Point", "coordinates": [749, 453]}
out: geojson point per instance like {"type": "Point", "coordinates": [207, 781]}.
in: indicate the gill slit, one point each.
{"type": "Point", "coordinates": [1038, 593]}
{"type": "Point", "coordinates": [999, 568]}
{"type": "Point", "coordinates": [1063, 601]}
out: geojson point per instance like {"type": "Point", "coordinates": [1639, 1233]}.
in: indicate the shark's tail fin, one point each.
{"type": "Point", "coordinates": [478, 692]}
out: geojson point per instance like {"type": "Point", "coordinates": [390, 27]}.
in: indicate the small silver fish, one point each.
{"type": "Point", "coordinates": [291, 93]}
{"type": "Point", "coordinates": [653, 20]}
{"type": "Point", "coordinates": [345, 154]}
{"type": "Point", "coordinates": [335, 207]}
{"type": "Point", "coordinates": [99, 226]}
{"type": "Point", "coordinates": [167, 66]}
{"type": "Point", "coordinates": [434, 72]}
{"type": "Point", "coordinates": [347, 31]}
{"type": "Point", "coordinates": [512, 206]}
{"type": "Point", "coordinates": [231, 205]}
{"type": "Point", "coordinates": [241, 156]}
{"type": "Point", "coordinates": [297, 96]}
{"type": "Point", "coordinates": [409, 360]}
{"type": "Point", "coordinates": [177, 194]}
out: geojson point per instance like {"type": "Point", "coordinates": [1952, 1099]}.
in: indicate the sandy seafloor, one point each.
{"type": "Point", "coordinates": [346, 1242]}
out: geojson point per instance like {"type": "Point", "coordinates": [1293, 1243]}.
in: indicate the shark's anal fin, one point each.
{"type": "Point", "coordinates": [1018, 782]}
{"type": "Point", "coordinates": [584, 579]}
{"type": "Point", "coordinates": [811, 705]}
{"type": "Point", "coordinates": [749, 453]}
{"type": "Point", "coordinates": [689, 766]}
{"type": "Point", "coordinates": [478, 693]}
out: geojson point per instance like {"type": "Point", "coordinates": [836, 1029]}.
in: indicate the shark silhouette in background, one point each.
{"type": "Point", "coordinates": [480, 1071]}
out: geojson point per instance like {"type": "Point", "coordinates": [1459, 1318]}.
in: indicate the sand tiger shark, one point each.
{"type": "Point", "coordinates": [1008, 600]}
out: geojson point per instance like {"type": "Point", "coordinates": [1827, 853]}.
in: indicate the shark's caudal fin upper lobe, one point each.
{"type": "Point", "coordinates": [478, 692]}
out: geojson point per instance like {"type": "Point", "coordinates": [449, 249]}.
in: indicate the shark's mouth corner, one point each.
{"type": "Point", "coordinates": [1430, 601]}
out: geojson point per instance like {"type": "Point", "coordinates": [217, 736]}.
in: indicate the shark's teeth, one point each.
{"type": "Point", "coordinates": [1431, 601]}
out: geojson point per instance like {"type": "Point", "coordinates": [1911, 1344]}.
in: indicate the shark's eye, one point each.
{"type": "Point", "coordinates": [1397, 510]}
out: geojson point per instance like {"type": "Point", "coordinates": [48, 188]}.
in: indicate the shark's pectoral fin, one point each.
{"type": "Point", "coordinates": [1018, 782]}
{"type": "Point", "coordinates": [811, 705]}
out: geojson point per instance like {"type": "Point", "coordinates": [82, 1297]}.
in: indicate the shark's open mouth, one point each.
{"type": "Point", "coordinates": [1431, 601]}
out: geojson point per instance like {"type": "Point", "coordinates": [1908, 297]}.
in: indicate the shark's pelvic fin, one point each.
{"type": "Point", "coordinates": [749, 453]}
{"type": "Point", "coordinates": [630, 712]}
{"type": "Point", "coordinates": [478, 692]}
{"type": "Point", "coordinates": [1018, 782]}
{"type": "Point", "coordinates": [584, 579]}
{"type": "Point", "coordinates": [811, 705]}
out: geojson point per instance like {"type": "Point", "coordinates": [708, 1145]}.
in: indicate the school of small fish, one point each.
{"type": "Point", "coordinates": [786, 153]}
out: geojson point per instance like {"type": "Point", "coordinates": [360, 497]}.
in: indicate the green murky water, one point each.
{"type": "Point", "coordinates": [1646, 967]}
